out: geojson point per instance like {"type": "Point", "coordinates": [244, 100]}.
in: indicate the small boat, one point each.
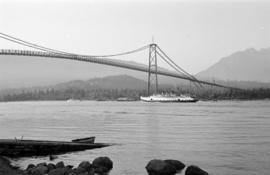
{"type": "Point", "coordinates": [85, 140]}
{"type": "Point", "coordinates": [169, 98]}
{"type": "Point", "coordinates": [28, 148]}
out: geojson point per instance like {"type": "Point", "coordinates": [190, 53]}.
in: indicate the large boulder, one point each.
{"type": "Point", "coordinates": [194, 170]}
{"type": "Point", "coordinates": [160, 167]}
{"type": "Point", "coordinates": [79, 170]}
{"type": "Point", "coordinates": [101, 171]}
{"type": "Point", "coordinates": [30, 166]}
{"type": "Point", "coordinates": [57, 171]}
{"type": "Point", "coordinates": [70, 166]}
{"type": "Point", "coordinates": [67, 170]}
{"type": "Point", "coordinates": [39, 170]}
{"type": "Point", "coordinates": [86, 165]}
{"type": "Point", "coordinates": [51, 167]}
{"type": "Point", "coordinates": [179, 166]}
{"type": "Point", "coordinates": [60, 165]}
{"type": "Point", "coordinates": [104, 163]}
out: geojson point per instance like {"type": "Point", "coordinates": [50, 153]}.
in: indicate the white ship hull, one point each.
{"type": "Point", "coordinates": [161, 98]}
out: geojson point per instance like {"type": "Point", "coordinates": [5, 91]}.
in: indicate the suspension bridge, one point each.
{"type": "Point", "coordinates": [152, 69]}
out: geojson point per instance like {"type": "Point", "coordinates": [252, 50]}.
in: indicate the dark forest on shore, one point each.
{"type": "Point", "coordinates": [133, 94]}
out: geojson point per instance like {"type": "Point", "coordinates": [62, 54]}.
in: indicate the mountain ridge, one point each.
{"type": "Point", "coordinates": [109, 82]}
{"type": "Point", "coordinates": [247, 65]}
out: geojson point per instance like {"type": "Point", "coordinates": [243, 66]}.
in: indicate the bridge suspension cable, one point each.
{"type": "Point", "coordinates": [29, 44]}
{"type": "Point", "coordinates": [24, 44]}
{"type": "Point", "coordinates": [175, 68]}
{"type": "Point", "coordinates": [105, 61]}
{"type": "Point", "coordinates": [102, 59]}
{"type": "Point", "coordinates": [46, 49]}
{"type": "Point", "coordinates": [170, 60]}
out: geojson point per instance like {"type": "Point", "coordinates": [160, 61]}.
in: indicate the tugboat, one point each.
{"type": "Point", "coordinates": [169, 98]}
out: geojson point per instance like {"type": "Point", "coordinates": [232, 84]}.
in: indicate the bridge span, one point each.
{"type": "Point", "coordinates": [105, 61]}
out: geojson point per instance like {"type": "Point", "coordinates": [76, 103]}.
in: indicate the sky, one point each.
{"type": "Point", "coordinates": [195, 34]}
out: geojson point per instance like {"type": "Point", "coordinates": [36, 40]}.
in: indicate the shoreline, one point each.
{"type": "Point", "coordinates": [99, 166]}
{"type": "Point", "coordinates": [201, 100]}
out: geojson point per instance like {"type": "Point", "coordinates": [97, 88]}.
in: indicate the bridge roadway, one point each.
{"type": "Point", "coordinates": [104, 61]}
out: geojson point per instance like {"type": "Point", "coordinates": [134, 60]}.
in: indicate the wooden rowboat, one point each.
{"type": "Point", "coordinates": [28, 148]}
{"type": "Point", "coordinates": [85, 140]}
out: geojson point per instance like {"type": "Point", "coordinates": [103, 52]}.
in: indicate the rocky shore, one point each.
{"type": "Point", "coordinates": [99, 166]}
{"type": "Point", "coordinates": [7, 169]}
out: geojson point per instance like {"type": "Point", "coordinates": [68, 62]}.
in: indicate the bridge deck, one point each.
{"type": "Point", "coordinates": [104, 61]}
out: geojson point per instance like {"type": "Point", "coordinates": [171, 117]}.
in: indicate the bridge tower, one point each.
{"type": "Point", "coordinates": [152, 70]}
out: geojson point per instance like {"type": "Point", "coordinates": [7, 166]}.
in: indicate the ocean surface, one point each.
{"type": "Point", "coordinates": [223, 138]}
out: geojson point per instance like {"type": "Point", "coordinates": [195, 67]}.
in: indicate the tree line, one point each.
{"type": "Point", "coordinates": [113, 94]}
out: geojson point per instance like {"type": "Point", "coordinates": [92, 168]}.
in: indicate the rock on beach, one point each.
{"type": "Point", "coordinates": [195, 170]}
{"type": "Point", "coordinates": [171, 167]}
{"type": "Point", "coordinates": [160, 167]}
{"type": "Point", "coordinates": [99, 166]}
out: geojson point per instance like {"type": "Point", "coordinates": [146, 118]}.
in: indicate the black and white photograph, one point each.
{"type": "Point", "coordinates": [134, 87]}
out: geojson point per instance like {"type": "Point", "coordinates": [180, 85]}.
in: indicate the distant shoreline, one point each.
{"type": "Point", "coordinates": [202, 100]}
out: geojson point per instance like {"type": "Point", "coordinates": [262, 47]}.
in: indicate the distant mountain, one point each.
{"type": "Point", "coordinates": [110, 82]}
{"type": "Point", "coordinates": [106, 88]}
{"type": "Point", "coordinates": [247, 65]}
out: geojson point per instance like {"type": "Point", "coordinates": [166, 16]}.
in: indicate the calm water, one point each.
{"type": "Point", "coordinates": [228, 137]}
